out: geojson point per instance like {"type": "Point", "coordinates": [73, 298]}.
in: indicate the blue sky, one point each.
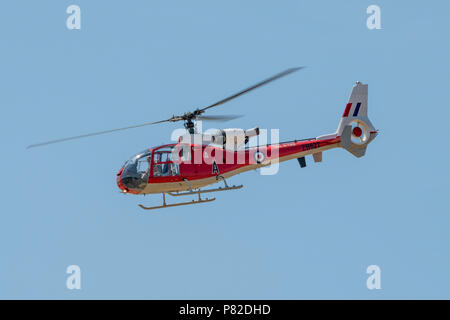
{"type": "Point", "coordinates": [302, 233]}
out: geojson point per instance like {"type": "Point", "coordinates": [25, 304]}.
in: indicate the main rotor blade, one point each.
{"type": "Point", "coordinates": [259, 84]}
{"type": "Point", "coordinates": [221, 118]}
{"type": "Point", "coordinates": [197, 113]}
{"type": "Point", "coordinates": [97, 133]}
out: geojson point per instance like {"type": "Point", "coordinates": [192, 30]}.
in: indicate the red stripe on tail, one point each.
{"type": "Point", "coordinates": [347, 110]}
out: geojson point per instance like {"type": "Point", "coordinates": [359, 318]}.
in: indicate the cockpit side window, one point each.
{"type": "Point", "coordinates": [163, 165]}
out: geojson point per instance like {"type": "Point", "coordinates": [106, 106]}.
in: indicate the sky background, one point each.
{"type": "Point", "coordinates": [300, 234]}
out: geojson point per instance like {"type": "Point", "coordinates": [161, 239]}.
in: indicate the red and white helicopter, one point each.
{"type": "Point", "coordinates": [199, 160]}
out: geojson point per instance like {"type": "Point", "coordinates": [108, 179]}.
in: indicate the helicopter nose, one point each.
{"type": "Point", "coordinates": [119, 181]}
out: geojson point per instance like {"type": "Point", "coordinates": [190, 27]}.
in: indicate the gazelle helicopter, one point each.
{"type": "Point", "coordinates": [198, 160]}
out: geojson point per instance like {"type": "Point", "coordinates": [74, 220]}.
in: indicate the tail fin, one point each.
{"type": "Point", "coordinates": [355, 129]}
{"type": "Point", "coordinates": [356, 108]}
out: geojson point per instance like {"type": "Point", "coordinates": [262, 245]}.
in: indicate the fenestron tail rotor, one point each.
{"type": "Point", "coordinates": [188, 117]}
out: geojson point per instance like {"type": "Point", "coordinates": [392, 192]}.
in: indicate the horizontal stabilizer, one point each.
{"type": "Point", "coordinates": [302, 162]}
{"type": "Point", "coordinates": [317, 157]}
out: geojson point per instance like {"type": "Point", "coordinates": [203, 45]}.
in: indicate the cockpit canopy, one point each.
{"type": "Point", "coordinates": [158, 162]}
{"type": "Point", "coordinates": [136, 170]}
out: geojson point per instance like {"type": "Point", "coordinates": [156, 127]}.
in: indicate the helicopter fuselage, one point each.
{"type": "Point", "coordinates": [200, 165]}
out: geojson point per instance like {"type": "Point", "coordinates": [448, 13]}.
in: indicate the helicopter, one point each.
{"type": "Point", "coordinates": [199, 160]}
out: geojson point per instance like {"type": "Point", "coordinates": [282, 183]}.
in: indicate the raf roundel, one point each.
{"type": "Point", "coordinates": [259, 156]}
{"type": "Point", "coordinates": [357, 132]}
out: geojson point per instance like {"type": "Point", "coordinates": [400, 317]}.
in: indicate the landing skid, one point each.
{"type": "Point", "coordinates": [165, 205]}
{"type": "Point", "coordinates": [191, 192]}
